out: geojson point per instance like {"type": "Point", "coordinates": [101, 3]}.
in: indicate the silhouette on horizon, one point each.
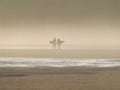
{"type": "Point", "coordinates": [53, 43]}
{"type": "Point", "coordinates": [59, 43]}
{"type": "Point", "coordinates": [56, 43]}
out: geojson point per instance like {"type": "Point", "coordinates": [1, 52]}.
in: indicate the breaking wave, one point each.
{"type": "Point", "coordinates": [57, 62]}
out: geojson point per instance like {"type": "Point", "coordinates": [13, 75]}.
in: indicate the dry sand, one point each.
{"type": "Point", "coordinates": [61, 53]}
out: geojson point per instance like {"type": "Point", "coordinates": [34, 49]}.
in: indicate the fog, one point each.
{"type": "Point", "coordinates": [80, 23]}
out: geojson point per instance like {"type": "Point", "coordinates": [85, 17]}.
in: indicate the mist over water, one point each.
{"type": "Point", "coordinates": [86, 23]}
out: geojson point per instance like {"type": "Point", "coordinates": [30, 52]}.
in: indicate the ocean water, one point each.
{"type": "Point", "coordinates": [58, 62]}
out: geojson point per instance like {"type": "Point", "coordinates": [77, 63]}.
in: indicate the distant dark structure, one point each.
{"type": "Point", "coordinates": [56, 44]}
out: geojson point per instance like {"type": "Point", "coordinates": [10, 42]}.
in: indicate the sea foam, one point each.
{"type": "Point", "coordinates": [57, 62]}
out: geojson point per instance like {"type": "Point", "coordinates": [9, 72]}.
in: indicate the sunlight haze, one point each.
{"type": "Point", "coordinates": [80, 23]}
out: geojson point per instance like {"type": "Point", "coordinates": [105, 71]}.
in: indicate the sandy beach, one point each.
{"type": "Point", "coordinates": [60, 78]}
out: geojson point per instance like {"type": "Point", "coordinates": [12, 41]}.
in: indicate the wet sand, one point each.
{"type": "Point", "coordinates": [44, 78]}
{"type": "Point", "coordinates": [83, 53]}
{"type": "Point", "coordinates": [64, 78]}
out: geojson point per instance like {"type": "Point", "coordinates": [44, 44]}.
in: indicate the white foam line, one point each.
{"type": "Point", "coordinates": [50, 62]}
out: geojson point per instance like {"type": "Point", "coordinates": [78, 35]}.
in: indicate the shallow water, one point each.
{"type": "Point", "coordinates": [57, 62]}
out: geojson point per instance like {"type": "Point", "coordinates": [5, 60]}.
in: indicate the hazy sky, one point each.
{"type": "Point", "coordinates": [85, 23]}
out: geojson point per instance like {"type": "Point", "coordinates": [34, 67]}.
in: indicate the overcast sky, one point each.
{"type": "Point", "coordinates": [85, 23]}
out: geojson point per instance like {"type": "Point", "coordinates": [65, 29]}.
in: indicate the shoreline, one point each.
{"type": "Point", "coordinates": [65, 78]}
{"type": "Point", "coordinates": [58, 62]}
